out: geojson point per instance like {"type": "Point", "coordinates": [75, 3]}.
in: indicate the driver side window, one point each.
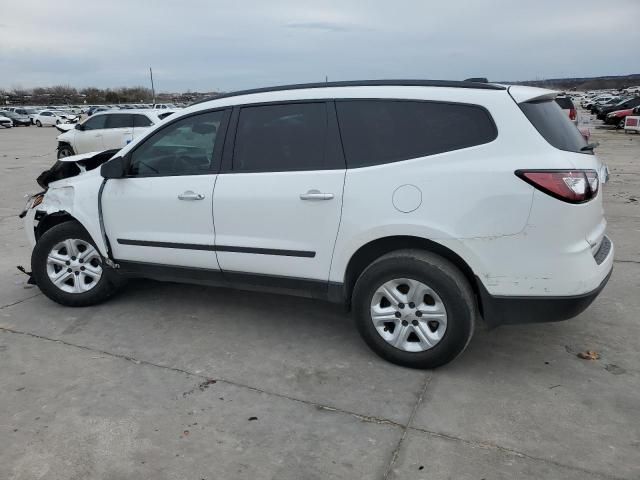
{"type": "Point", "coordinates": [95, 123]}
{"type": "Point", "coordinates": [185, 147]}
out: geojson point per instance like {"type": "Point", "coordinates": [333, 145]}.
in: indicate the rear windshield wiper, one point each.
{"type": "Point", "coordinates": [589, 147]}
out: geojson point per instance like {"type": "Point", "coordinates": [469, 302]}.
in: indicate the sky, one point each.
{"type": "Point", "coordinates": [216, 45]}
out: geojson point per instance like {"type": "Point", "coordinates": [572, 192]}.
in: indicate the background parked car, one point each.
{"type": "Point", "coordinates": [622, 105]}
{"type": "Point", "coordinates": [106, 131]}
{"type": "Point", "coordinates": [567, 106]}
{"type": "Point", "coordinates": [601, 103]}
{"type": "Point", "coordinates": [5, 122]}
{"type": "Point", "coordinates": [50, 117]}
{"type": "Point", "coordinates": [17, 118]}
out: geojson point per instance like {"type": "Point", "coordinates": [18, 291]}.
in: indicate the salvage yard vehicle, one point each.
{"type": "Point", "coordinates": [566, 104]}
{"type": "Point", "coordinates": [17, 119]}
{"type": "Point", "coordinates": [5, 122]}
{"type": "Point", "coordinates": [105, 131]}
{"type": "Point", "coordinates": [368, 194]}
{"type": "Point", "coordinates": [50, 118]}
{"type": "Point", "coordinates": [623, 104]}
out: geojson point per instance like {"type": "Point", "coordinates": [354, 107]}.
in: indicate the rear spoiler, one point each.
{"type": "Point", "coordinates": [521, 94]}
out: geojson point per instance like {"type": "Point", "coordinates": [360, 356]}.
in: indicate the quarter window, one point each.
{"type": "Point", "coordinates": [384, 131]}
{"type": "Point", "coordinates": [183, 148]}
{"type": "Point", "coordinates": [273, 138]}
{"type": "Point", "coordinates": [141, 121]}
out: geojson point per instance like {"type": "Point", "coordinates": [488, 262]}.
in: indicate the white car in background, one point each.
{"type": "Point", "coordinates": [106, 131]}
{"type": "Point", "coordinates": [50, 117]}
{"type": "Point", "coordinates": [5, 122]}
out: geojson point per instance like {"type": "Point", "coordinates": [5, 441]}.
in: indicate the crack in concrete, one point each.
{"type": "Point", "coordinates": [492, 446]}
{"type": "Point", "coordinates": [625, 261]}
{"type": "Point", "coordinates": [19, 301]}
{"type": "Point", "coordinates": [321, 407]}
{"type": "Point", "coordinates": [396, 451]}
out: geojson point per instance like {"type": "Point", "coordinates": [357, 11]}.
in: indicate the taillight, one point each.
{"type": "Point", "coordinates": [572, 114]}
{"type": "Point", "coordinates": [573, 186]}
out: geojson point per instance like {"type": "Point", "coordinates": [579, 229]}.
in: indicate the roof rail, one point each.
{"type": "Point", "coordinates": [470, 83]}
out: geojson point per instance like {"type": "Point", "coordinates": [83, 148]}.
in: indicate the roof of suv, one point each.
{"type": "Point", "coordinates": [363, 83]}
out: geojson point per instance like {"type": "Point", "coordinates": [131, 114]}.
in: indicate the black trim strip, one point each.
{"type": "Point", "coordinates": [219, 248]}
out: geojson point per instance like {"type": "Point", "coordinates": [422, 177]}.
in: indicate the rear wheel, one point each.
{"type": "Point", "coordinates": [620, 124]}
{"type": "Point", "coordinates": [38, 123]}
{"type": "Point", "coordinates": [414, 308]}
{"type": "Point", "coordinates": [69, 269]}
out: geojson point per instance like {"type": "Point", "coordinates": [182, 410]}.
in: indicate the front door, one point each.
{"type": "Point", "coordinates": [162, 212]}
{"type": "Point", "coordinates": [278, 199]}
{"type": "Point", "coordinates": [89, 139]}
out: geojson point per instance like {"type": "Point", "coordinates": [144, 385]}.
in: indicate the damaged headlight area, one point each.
{"type": "Point", "coordinates": [32, 202]}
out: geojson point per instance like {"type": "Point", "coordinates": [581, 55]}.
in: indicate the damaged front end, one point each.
{"type": "Point", "coordinates": [61, 201]}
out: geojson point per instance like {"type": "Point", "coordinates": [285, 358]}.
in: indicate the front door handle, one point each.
{"type": "Point", "coordinates": [316, 195]}
{"type": "Point", "coordinates": [190, 195]}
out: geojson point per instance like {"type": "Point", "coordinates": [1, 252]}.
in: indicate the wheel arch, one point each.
{"type": "Point", "coordinates": [374, 249]}
{"type": "Point", "coordinates": [50, 220]}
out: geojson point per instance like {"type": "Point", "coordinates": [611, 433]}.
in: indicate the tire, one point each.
{"type": "Point", "coordinates": [72, 294]}
{"type": "Point", "coordinates": [65, 151]}
{"type": "Point", "coordinates": [38, 123]}
{"type": "Point", "coordinates": [57, 122]}
{"type": "Point", "coordinates": [620, 124]}
{"type": "Point", "coordinates": [449, 292]}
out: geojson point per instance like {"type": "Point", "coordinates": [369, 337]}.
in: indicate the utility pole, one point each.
{"type": "Point", "coordinates": [153, 90]}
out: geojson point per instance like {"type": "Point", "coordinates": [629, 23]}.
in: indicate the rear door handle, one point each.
{"type": "Point", "coordinates": [316, 195]}
{"type": "Point", "coordinates": [190, 195]}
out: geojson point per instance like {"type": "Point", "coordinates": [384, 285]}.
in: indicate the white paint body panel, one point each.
{"type": "Point", "coordinates": [149, 209]}
{"type": "Point", "coordinates": [264, 210]}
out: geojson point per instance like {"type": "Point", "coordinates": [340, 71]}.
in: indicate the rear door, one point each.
{"type": "Point", "coordinates": [277, 202]}
{"type": "Point", "coordinates": [118, 130]}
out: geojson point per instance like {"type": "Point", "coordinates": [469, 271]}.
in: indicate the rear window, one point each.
{"type": "Point", "coordinates": [554, 125]}
{"type": "Point", "coordinates": [565, 103]}
{"type": "Point", "coordinates": [385, 131]}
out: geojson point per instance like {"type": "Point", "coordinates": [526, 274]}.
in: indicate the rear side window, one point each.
{"type": "Point", "coordinates": [385, 131]}
{"type": "Point", "coordinates": [554, 125]}
{"type": "Point", "coordinates": [119, 120]}
{"type": "Point", "coordinates": [141, 121]}
{"type": "Point", "coordinates": [276, 138]}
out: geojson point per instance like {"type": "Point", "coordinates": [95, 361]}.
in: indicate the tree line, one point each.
{"type": "Point", "coordinates": [66, 95]}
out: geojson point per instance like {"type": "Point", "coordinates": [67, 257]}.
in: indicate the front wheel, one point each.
{"type": "Point", "coordinates": [65, 151]}
{"type": "Point", "coordinates": [38, 123]}
{"type": "Point", "coordinates": [414, 308]}
{"type": "Point", "coordinates": [69, 269]}
{"type": "Point", "coordinates": [620, 124]}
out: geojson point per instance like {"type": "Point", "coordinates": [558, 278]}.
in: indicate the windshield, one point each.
{"type": "Point", "coordinates": [554, 125]}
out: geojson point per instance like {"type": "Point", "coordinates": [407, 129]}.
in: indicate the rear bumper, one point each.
{"type": "Point", "coordinates": [508, 310]}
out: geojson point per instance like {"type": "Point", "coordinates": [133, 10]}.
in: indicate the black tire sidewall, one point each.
{"type": "Point", "coordinates": [67, 230]}
{"type": "Point", "coordinates": [459, 304]}
{"type": "Point", "coordinates": [65, 147]}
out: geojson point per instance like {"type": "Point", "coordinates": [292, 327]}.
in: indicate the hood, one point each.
{"type": "Point", "coordinates": [74, 165]}
{"type": "Point", "coordinates": [65, 127]}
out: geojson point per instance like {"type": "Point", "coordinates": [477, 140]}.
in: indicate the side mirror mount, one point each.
{"type": "Point", "coordinates": [114, 168]}
{"type": "Point", "coordinates": [79, 126]}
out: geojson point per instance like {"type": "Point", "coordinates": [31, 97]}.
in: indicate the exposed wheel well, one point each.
{"type": "Point", "coordinates": [52, 220]}
{"type": "Point", "coordinates": [366, 254]}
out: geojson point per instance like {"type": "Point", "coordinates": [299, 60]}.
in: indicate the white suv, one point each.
{"type": "Point", "coordinates": [420, 205]}
{"type": "Point", "coordinates": [106, 130]}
